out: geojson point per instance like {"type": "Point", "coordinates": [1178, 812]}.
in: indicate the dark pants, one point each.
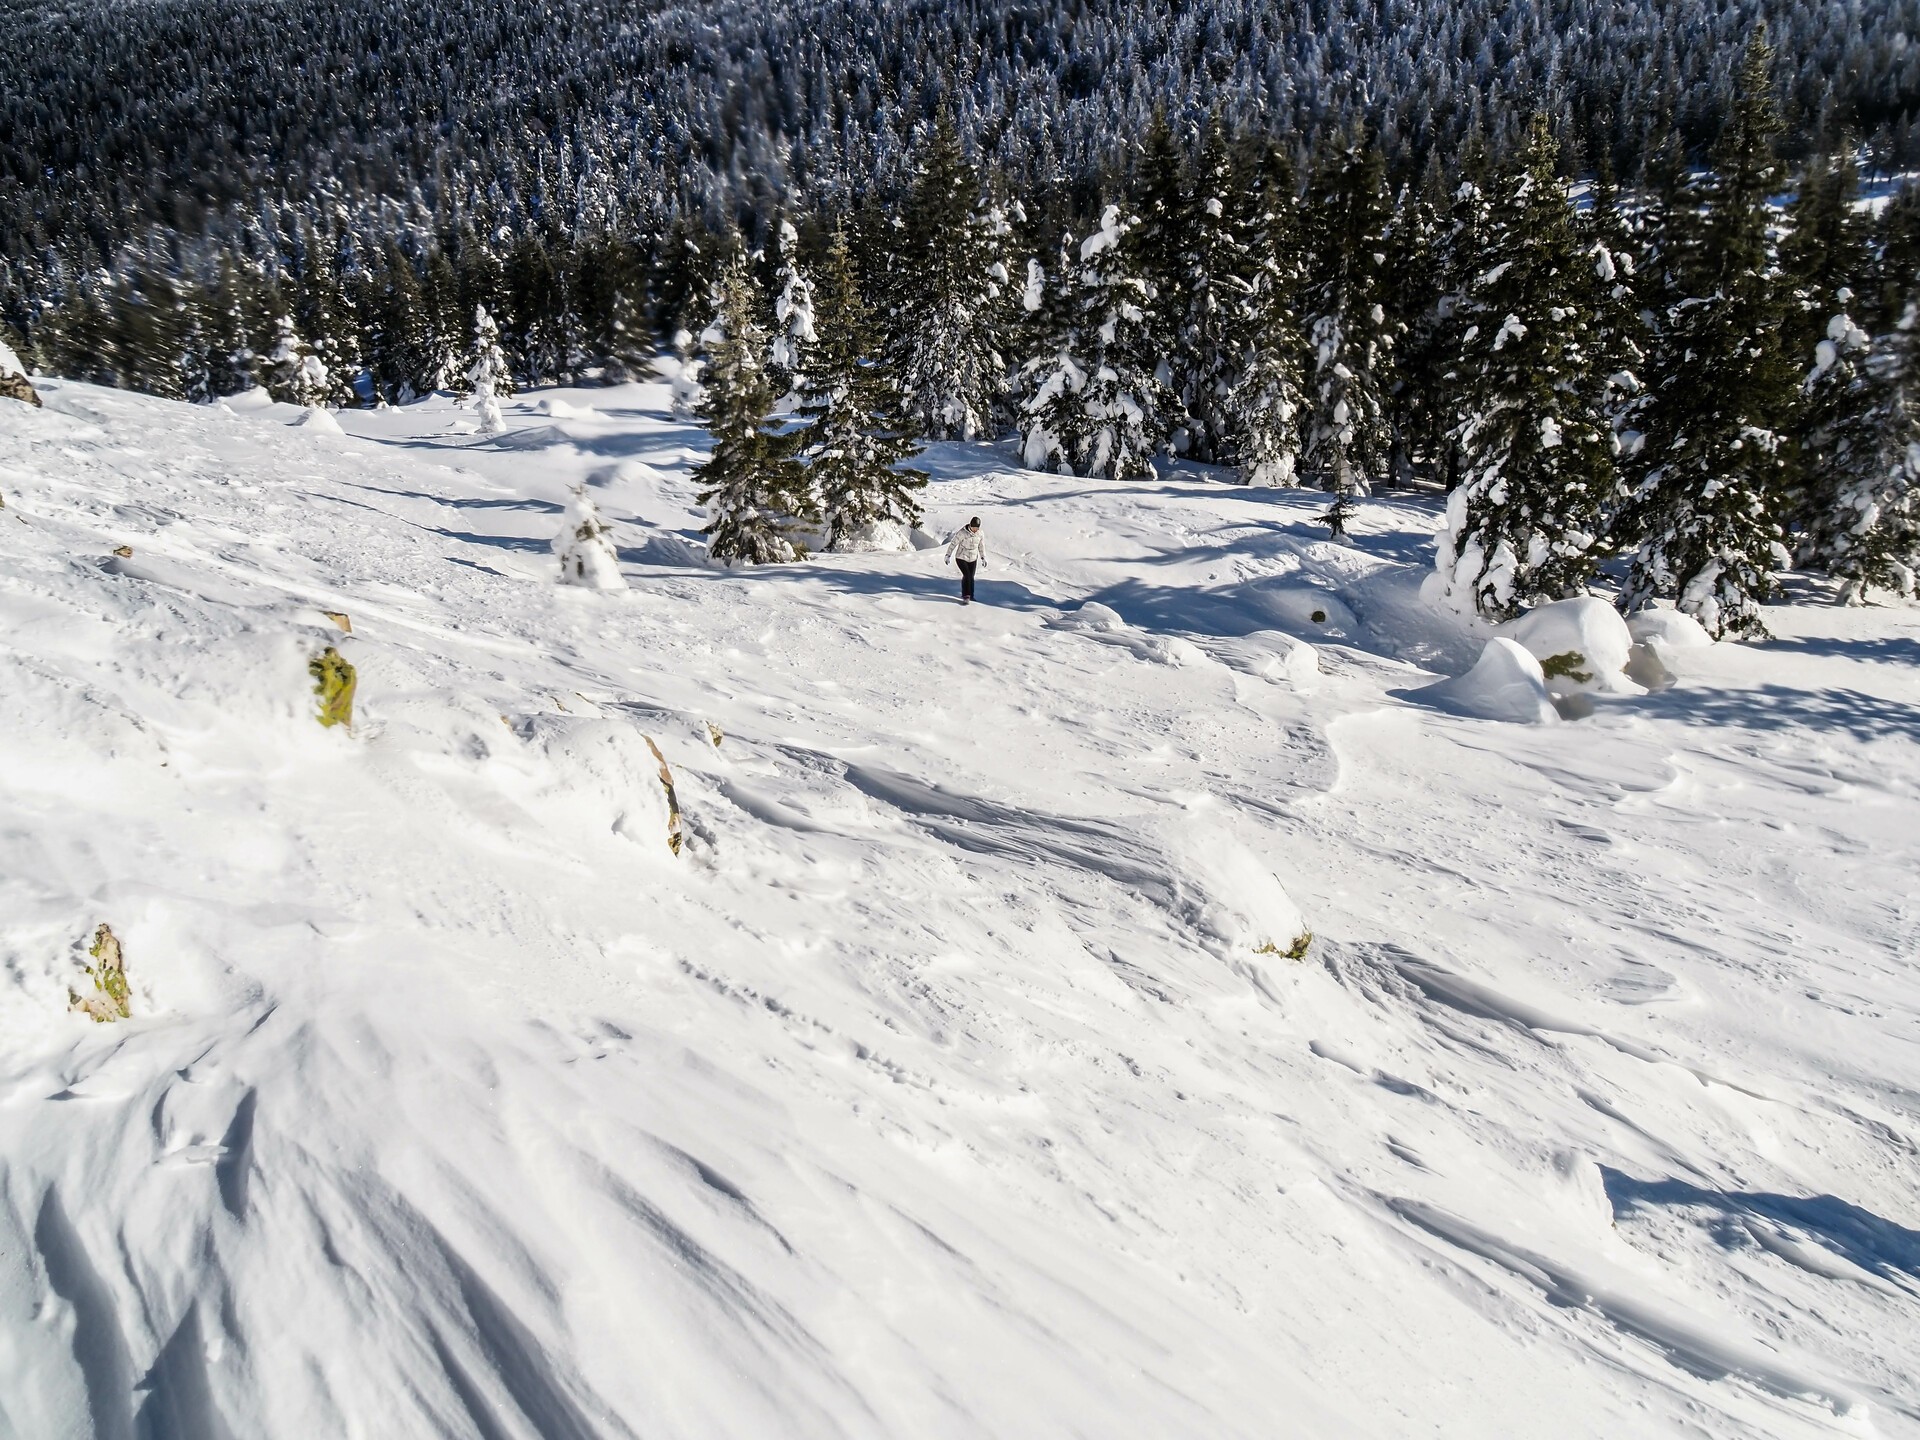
{"type": "Point", "coordinates": [967, 567]}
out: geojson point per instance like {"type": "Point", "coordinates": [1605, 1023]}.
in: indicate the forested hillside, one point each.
{"type": "Point", "coordinates": [1604, 273]}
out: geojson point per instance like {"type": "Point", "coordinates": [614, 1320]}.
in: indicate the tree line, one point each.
{"type": "Point", "coordinates": [1674, 387]}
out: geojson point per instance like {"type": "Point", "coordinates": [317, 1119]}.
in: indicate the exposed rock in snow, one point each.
{"type": "Point", "coordinates": [1582, 645]}
{"type": "Point", "coordinates": [14, 384]}
{"type": "Point", "coordinates": [1506, 683]}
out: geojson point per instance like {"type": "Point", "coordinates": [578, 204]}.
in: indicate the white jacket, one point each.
{"type": "Point", "coordinates": [965, 544]}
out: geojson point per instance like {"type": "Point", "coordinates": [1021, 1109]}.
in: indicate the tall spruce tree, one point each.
{"type": "Point", "coordinates": [1210, 309]}
{"type": "Point", "coordinates": [1349, 332]}
{"type": "Point", "coordinates": [946, 298]}
{"type": "Point", "coordinates": [1858, 502]}
{"type": "Point", "coordinates": [1160, 236]}
{"type": "Point", "coordinates": [1095, 405]}
{"type": "Point", "coordinates": [1267, 398]}
{"type": "Point", "coordinates": [756, 493]}
{"type": "Point", "coordinates": [1825, 249]}
{"type": "Point", "coordinates": [1710, 477]}
{"type": "Point", "coordinates": [852, 442]}
{"type": "Point", "coordinates": [1536, 450]}
{"type": "Point", "coordinates": [793, 314]}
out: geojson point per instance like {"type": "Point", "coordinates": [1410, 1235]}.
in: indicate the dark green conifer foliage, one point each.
{"type": "Point", "coordinates": [1824, 252]}
{"type": "Point", "coordinates": [1710, 478]}
{"type": "Point", "coordinates": [852, 441]}
{"type": "Point", "coordinates": [1536, 451]}
{"type": "Point", "coordinates": [1350, 335]}
{"type": "Point", "coordinates": [1267, 400]}
{"type": "Point", "coordinates": [948, 310]}
{"type": "Point", "coordinates": [755, 491]}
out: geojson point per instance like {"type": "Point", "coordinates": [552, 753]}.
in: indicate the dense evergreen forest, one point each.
{"type": "Point", "coordinates": [1536, 254]}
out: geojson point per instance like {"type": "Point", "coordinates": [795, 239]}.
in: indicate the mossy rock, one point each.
{"type": "Point", "coordinates": [1566, 666]}
{"type": "Point", "coordinates": [333, 681]}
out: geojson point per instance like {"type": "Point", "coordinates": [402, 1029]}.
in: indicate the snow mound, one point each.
{"type": "Point", "coordinates": [320, 421]}
{"type": "Point", "coordinates": [1242, 908]}
{"type": "Point", "coordinates": [1286, 658]}
{"type": "Point", "coordinates": [1092, 616]}
{"type": "Point", "coordinates": [1306, 609]}
{"type": "Point", "coordinates": [1671, 629]}
{"type": "Point", "coordinates": [9, 361]}
{"type": "Point", "coordinates": [535, 437]}
{"type": "Point", "coordinates": [669, 550]}
{"type": "Point", "coordinates": [882, 537]}
{"type": "Point", "coordinates": [622, 472]}
{"type": "Point", "coordinates": [1506, 683]}
{"type": "Point", "coordinates": [1582, 644]}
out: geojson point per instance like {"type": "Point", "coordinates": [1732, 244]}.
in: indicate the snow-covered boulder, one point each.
{"type": "Point", "coordinates": [1505, 683]}
{"type": "Point", "coordinates": [1583, 646]}
{"type": "Point", "coordinates": [1667, 629]}
{"type": "Point", "coordinates": [319, 421]}
{"type": "Point", "coordinates": [585, 547]}
{"type": "Point", "coordinates": [1657, 636]}
{"type": "Point", "coordinates": [14, 384]}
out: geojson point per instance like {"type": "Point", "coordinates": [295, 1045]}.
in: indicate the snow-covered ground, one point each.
{"type": "Point", "coordinates": [954, 1079]}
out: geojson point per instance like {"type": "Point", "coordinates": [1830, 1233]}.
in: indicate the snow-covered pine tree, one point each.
{"type": "Point", "coordinates": [1708, 480]}
{"type": "Point", "coordinates": [947, 299]}
{"type": "Point", "coordinates": [1620, 332]}
{"type": "Point", "coordinates": [294, 374]}
{"type": "Point", "coordinates": [1824, 250]}
{"type": "Point", "coordinates": [584, 546]}
{"type": "Point", "coordinates": [852, 442]}
{"type": "Point", "coordinates": [1159, 240]}
{"type": "Point", "coordinates": [756, 493]}
{"type": "Point", "coordinates": [689, 369]}
{"type": "Point", "coordinates": [1268, 396]}
{"type": "Point", "coordinates": [1211, 311]}
{"type": "Point", "coordinates": [1348, 329]}
{"type": "Point", "coordinates": [629, 348]}
{"type": "Point", "coordinates": [1096, 406]}
{"type": "Point", "coordinates": [487, 375]}
{"type": "Point", "coordinates": [1536, 451]}
{"type": "Point", "coordinates": [1858, 510]}
{"type": "Point", "coordinates": [325, 313]}
{"type": "Point", "coordinates": [793, 314]}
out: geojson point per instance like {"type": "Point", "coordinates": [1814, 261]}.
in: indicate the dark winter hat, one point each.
{"type": "Point", "coordinates": [974, 523]}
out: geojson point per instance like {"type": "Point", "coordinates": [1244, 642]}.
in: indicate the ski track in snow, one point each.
{"type": "Point", "coordinates": [950, 1083]}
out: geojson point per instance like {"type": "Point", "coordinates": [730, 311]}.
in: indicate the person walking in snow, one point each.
{"type": "Point", "coordinates": [966, 549]}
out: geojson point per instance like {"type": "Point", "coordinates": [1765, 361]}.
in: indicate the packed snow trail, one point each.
{"type": "Point", "coordinates": [954, 1080]}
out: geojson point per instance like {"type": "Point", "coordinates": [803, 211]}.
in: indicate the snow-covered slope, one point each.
{"type": "Point", "coordinates": [955, 1078]}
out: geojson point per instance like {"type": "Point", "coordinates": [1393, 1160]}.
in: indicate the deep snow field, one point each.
{"type": "Point", "coordinates": [953, 1080]}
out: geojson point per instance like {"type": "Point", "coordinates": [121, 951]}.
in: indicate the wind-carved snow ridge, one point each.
{"type": "Point", "coordinates": [786, 1003]}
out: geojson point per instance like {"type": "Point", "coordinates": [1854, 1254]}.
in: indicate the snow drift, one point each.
{"type": "Point", "coordinates": [965, 1069]}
